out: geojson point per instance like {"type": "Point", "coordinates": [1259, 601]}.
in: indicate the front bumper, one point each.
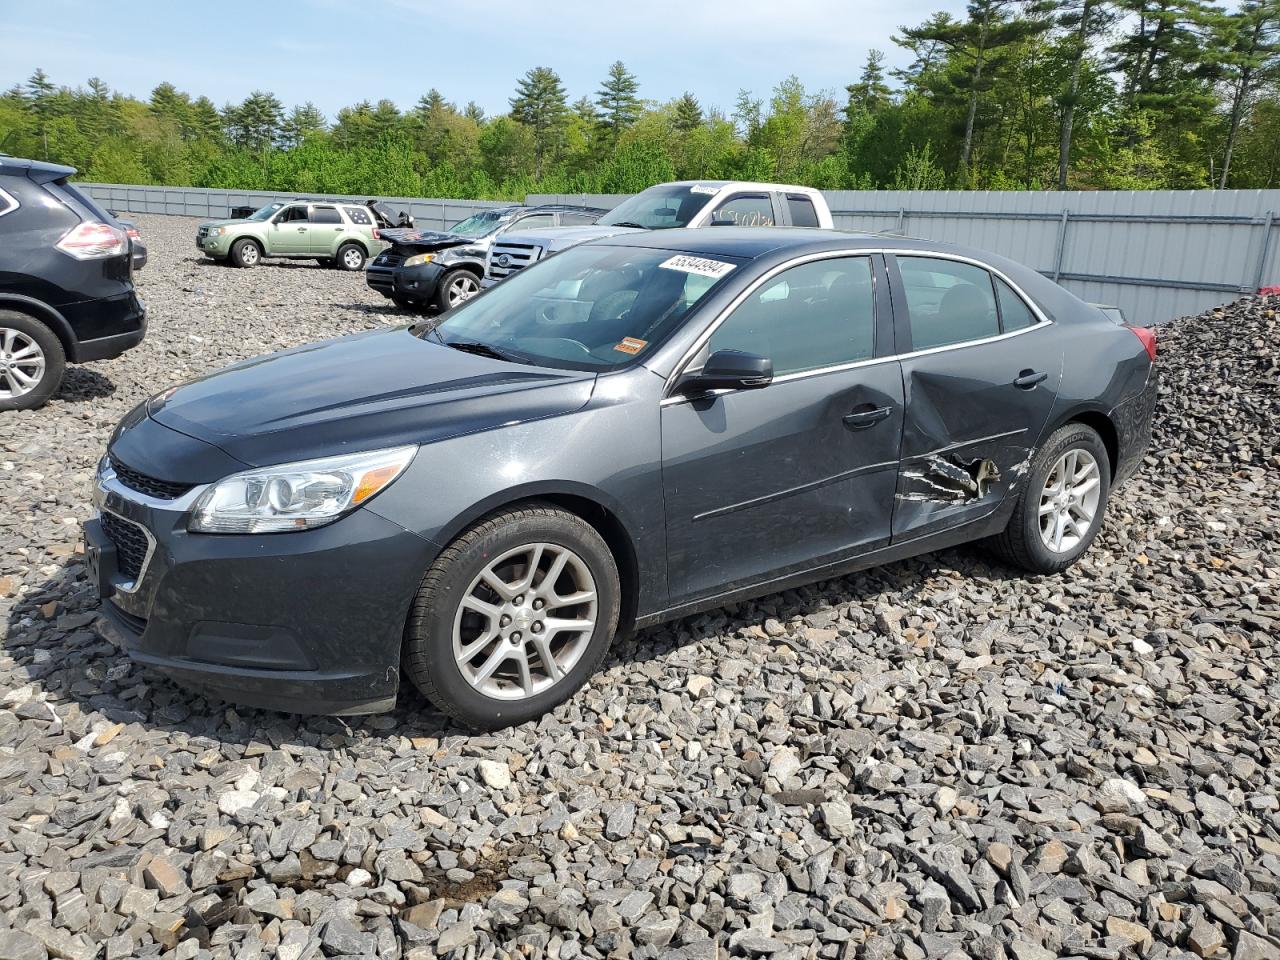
{"type": "Point", "coordinates": [417, 283]}
{"type": "Point", "coordinates": [310, 622]}
{"type": "Point", "coordinates": [214, 246]}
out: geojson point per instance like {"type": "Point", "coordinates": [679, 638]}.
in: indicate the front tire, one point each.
{"type": "Point", "coordinates": [404, 303]}
{"type": "Point", "coordinates": [32, 362]}
{"type": "Point", "coordinates": [1059, 511]}
{"type": "Point", "coordinates": [351, 257]}
{"type": "Point", "coordinates": [513, 617]}
{"type": "Point", "coordinates": [246, 253]}
{"type": "Point", "coordinates": [455, 287]}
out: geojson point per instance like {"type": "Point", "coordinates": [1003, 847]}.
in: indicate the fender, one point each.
{"type": "Point", "coordinates": [48, 315]}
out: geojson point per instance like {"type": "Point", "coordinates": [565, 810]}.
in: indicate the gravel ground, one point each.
{"type": "Point", "coordinates": [936, 758]}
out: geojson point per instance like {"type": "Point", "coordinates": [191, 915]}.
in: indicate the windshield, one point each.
{"type": "Point", "coordinates": [479, 224]}
{"type": "Point", "coordinates": [592, 307]}
{"type": "Point", "coordinates": [662, 207]}
{"type": "Point", "coordinates": [266, 212]}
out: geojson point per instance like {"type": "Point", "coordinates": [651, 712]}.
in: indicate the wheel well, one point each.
{"type": "Point", "coordinates": [615, 537]}
{"type": "Point", "coordinates": [254, 240]}
{"type": "Point", "coordinates": [1103, 426]}
{"type": "Point", "coordinates": [50, 319]}
{"type": "Point", "coordinates": [353, 241]}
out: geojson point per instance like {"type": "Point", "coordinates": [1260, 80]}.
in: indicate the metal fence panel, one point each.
{"type": "Point", "coordinates": [1156, 254]}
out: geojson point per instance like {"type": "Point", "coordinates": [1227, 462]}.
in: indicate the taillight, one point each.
{"type": "Point", "coordinates": [1148, 338]}
{"type": "Point", "coordinates": [376, 234]}
{"type": "Point", "coordinates": [133, 233]}
{"type": "Point", "coordinates": [93, 241]}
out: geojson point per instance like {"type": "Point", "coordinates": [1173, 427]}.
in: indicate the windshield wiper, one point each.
{"type": "Point", "coordinates": [478, 348]}
{"type": "Point", "coordinates": [627, 223]}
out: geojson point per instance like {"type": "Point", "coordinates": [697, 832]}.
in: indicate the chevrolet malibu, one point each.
{"type": "Point", "coordinates": [628, 432]}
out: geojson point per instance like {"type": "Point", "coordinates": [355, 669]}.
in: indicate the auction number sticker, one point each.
{"type": "Point", "coordinates": [699, 265]}
{"type": "Point", "coordinates": [631, 345]}
{"type": "Point", "coordinates": [699, 188]}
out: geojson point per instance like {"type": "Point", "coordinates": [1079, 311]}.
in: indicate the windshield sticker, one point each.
{"type": "Point", "coordinates": [699, 265]}
{"type": "Point", "coordinates": [699, 188]}
{"type": "Point", "coordinates": [631, 345]}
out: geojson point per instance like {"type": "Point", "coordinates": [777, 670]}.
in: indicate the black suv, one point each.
{"type": "Point", "coordinates": [66, 282]}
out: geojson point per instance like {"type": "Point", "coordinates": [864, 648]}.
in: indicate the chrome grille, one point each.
{"type": "Point", "coordinates": [152, 487]}
{"type": "Point", "coordinates": [517, 256]}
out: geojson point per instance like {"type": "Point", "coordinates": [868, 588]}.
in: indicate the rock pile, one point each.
{"type": "Point", "coordinates": [938, 758]}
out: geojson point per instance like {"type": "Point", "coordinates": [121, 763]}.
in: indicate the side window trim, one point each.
{"type": "Point", "coordinates": [996, 282]}
{"type": "Point", "coordinates": [8, 202]}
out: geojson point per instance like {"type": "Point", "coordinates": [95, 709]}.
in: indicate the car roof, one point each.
{"type": "Point", "coordinates": [745, 242]}
{"type": "Point", "coordinates": [37, 170]}
{"type": "Point", "coordinates": [740, 184]}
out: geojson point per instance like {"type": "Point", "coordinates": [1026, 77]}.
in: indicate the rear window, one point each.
{"type": "Point", "coordinates": [325, 215]}
{"type": "Point", "coordinates": [86, 201]}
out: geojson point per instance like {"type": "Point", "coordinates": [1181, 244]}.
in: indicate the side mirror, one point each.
{"type": "Point", "coordinates": [730, 370]}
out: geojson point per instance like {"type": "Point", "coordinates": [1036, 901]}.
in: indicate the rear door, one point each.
{"type": "Point", "coordinates": [762, 483]}
{"type": "Point", "coordinates": [325, 229]}
{"type": "Point", "coordinates": [980, 372]}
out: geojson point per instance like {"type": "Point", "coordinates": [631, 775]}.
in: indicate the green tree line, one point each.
{"type": "Point", "coordinates": [1013, 95]}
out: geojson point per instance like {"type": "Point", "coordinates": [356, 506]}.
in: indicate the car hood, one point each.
{"type": "Point", "coordinates": [557, 238]}
{"type": "Point", "coordinates": [229, 223]}
{"type": "Point", "coordinates": [422, 239]}
{"type": "Point", "coordinates": [377, 389]}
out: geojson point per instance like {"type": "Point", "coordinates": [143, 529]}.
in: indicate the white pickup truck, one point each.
{"type": "Point", "coordinates": [687, 203]}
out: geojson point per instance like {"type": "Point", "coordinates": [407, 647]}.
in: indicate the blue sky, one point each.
{"type": "Point", "coordinates": [335, 52]}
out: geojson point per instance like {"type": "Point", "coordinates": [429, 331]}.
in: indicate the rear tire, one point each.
{"type": "Point", "coordinates": [246, 253]}
{"type": "Point", "coordinates": [1062, 503]}
{"type": "Point", "coordinates": [32, 362]}
{"type": "Point", "coordinates": [351, 256]}
{"type": "Point", "coordinates": [456, 627]}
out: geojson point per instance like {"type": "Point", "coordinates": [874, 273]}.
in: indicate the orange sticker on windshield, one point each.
{"type": "Point", "coordinates": [631, 345]}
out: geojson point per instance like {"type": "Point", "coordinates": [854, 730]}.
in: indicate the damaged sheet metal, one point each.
{"type": "Point", "coordinates": [949, 479]}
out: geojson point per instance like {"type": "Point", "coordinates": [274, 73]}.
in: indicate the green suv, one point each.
{"type": "Point", "coordinates": [340, 234]}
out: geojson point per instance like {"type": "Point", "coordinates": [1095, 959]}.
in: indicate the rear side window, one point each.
{"type": "Point", "coordinates": [325, 215]}
{"type": "Point", "coordinates": [7, 203]}
{"type": "Point", "coordinates": [819, 314]}
{"type": "Point", "coordinates": [802, 212]}
{"type": "Point", "coordinates": [359, 216]}
{"type": "Point", "coordinates": [746, 210]}
{"type": "Point", "coordinates": [949, 302]}
{"type": "Point", "coordinates": [573, 218]}
{"type": "Point", "coordinates": [1014, 313]}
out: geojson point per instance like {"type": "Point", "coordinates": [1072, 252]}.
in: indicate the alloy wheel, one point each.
{"type": "Point", "coordinates": [22, 363]}
{"type": "Point", "coordinates": [525, 621]}
{"type": "Point", "coordinates": [352, 258]}
{"type": "Point", "coordinates": [1069, 500]}
{"type": "Point", "coordinates": [462, 289]}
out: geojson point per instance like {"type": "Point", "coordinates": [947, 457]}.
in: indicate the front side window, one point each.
{"type": "Point", "coordinates": [818, 314]}
{"type": "Point", "coordinates": [359, 216]}
{"type": "Point", "coordinates": [948, 301]}
{"type": "Point", "coordinates": [577, 218]}
{"type": "Point", "coordinates": [664, 207]}
{"type": "Point", "coordinates": [746, 210]}
{"type": "Point", "coordinates": [293, 214]}
{"type": "Point", "coordinates": [592, 307]}
{"type": "Point", "coordinates": [325, 215]}
{"type": "Point", "coordinates": [265, 213]}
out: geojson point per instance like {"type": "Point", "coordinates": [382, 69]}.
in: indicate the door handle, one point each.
{"type": "Point", "coordinates": [861, 419]}
{"type": "Point", "coordinates": [302, 229]}
{"type": "Point", "coordinates": [1028, 379]}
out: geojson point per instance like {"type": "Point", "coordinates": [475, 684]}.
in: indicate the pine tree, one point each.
{"type": "Point", "coordinates": [870, 94]}
{"type": "Point", "coordinates": [979, 44]}
{"type": "Point", "coordinates": [301, 123]}
{"type": "Point", "coordinates": [1249, 41]}
{"type": "Point", "coordinates": [1084, 21]}
{"type": "Point", "coordinates": [258, 120]}
{"type": "Point", "coordinates": [540, 105]}
{"type": "Point", "coordinates": [688, 113]}
{"type": "Point", "coordinates": [99, 90]}
{"type": "Point", "coordinates": [206, 124]}
{"type": "Point", "coordinates": [746, 114]}
{"type": "Point", "coordinates": [619, 105]}
{"type": "Point", "coordinates": [474, 112]}
{"type": "Point", "coordinates": [40, 87]}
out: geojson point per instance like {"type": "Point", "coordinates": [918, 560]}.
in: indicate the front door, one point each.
{"type": "Point", "coordinates": [290, 232]}
{"type": "Point", "coordinates": [762, 483]}
{"type": "Point", "coordinates": [981, 378]}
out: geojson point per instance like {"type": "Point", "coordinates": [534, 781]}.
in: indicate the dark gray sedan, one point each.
{"type": "Point", "coordinates": [631, 431]}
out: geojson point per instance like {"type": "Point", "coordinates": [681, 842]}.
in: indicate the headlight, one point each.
{"type": "Point", "coordinates": [297, 496]}
{"type": "Point", "coordinates": [217, 231]}
{"type": "Point", "coordinates": [418, 259]}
